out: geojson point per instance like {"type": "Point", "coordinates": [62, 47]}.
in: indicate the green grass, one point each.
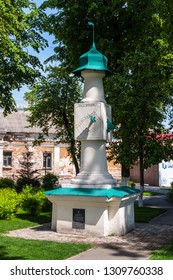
{"type": "Point", "coordinates": [22, 220]}
{"type": "Point", "coordinates": [151, 193]}
{"type": "Point", "coordinates": [165, 253]}
{"type": "Point", "coordinates": [21, 249]}
{"type": "Point", "coordinates": [145, 214]}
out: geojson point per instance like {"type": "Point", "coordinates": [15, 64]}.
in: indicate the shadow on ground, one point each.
{"type": "Point", "coordinates": [4, 255]}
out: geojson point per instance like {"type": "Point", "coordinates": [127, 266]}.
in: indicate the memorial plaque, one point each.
{"type": "Point", "coordinates": [78, 218]}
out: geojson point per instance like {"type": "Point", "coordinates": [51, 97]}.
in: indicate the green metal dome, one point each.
{"type": "Point", "coordinates": [92, 60]}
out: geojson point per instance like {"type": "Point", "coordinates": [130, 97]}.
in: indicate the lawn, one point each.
{"type": "Point", "coordinates": [165, 253]}
{"type": "Point", "coordinates": [150, 193]}
{"type": "Point", "coordinates": [21, 220]}
{"type": "Point", "coordinates": [145, 214]}
{"type": "Point", "coordinates": [21, 249]}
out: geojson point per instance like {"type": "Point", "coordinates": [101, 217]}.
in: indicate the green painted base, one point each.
{"type": "Point", "coordinates": [94, 192]}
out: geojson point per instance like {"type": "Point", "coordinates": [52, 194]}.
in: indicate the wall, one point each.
{"type": "Point", "coordinates": [151, 175]}
{"type": "Point", "coordinates": [165, 173]}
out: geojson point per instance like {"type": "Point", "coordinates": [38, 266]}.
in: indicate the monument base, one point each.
{"type": "Point", "coordinates": [93, 211]}
{"type": "Point", "coordinates": [90, 179]}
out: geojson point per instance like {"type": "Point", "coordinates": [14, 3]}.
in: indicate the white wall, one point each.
{"type": "Point", "coordinates": [165, 173]}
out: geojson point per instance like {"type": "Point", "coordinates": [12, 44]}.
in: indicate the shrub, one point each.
{"type": "Point", "coordinates": [46, 205]}
{"type": "Point", "coordinates": [49, 180]}
{"type": "Point", "coordinates": [170, 193]}
{"type": "Point", "coordinates": [9, 203]}
{"type": "Point", "coordinates": [23, 181]}
{"type": "Point", "coordinates": [7, 183]}
{"type": "Point", "coordinates": [32, 200]}
{"type": "Point", "coordinates": [132, 184]}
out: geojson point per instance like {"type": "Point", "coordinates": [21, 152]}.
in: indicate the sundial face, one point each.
{"type": "Point", "coordinates": [90, 121]}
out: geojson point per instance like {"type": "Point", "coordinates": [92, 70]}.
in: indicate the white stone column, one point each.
{"type": "Point", "coordinates": [93, 87]}
{"type": "Point", "coordinates": [56, 159]}
{"type": "Point", "coordinates": [1, 157]}
{"type": "Point", "coordinates": [94, 169]}
{"type": "Point", "coordinates": [91, 130]}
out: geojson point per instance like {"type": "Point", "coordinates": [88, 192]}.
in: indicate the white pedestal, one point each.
{"type": "Point", "coordinates": [103, 216]}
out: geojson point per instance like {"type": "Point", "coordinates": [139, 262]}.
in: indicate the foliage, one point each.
{"type": "Point", "coordinates": [49, 180]}
{"type": "Point", "coordinates": [170, 193]}
{"type": "Point", "coordinates": [23, 181]}
{"type": "Point", "coordinates": [9, 203]}
{"type": "Point", "coordinates": [51, 103]}
{"type": "Point", "coordinates": [31, 200]}
{"type": "Point", "coordinates": [46, 205]}
{"type": "Point", "coordinates": [6, 183]}
{"type": "Point", "coordinates": [136, 37]}
{"type": "Point", "coordinates": [19, 32]}
{"type": "Point", "coordinates": [27, 173]}
{"type": "Point", "coordinates": [132, 184]}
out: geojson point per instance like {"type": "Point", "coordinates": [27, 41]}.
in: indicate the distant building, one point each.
{"type": "Point", "coordinates": [156, 175]}
{"type": "Point", "coordinates": [15, 135]}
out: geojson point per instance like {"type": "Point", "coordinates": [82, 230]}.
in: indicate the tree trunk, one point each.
{"type": "Point", "coordinates": [125, 175]}
{"type": "Point", "coordinates": [72, 150]}
{"type": "Point", "coordinates": [141, 166]}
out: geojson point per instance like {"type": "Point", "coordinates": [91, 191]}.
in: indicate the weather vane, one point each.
{"type": "Point", "coordinates": [92, 24]}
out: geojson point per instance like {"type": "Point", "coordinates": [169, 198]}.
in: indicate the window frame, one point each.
{"type": "Point", "coordinates": [47, 160]}
{"type": "Point", "coordinates": [7, 158]}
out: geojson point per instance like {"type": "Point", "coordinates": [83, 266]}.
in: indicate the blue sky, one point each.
{"type": "Point", "coordinates": [43, 55]}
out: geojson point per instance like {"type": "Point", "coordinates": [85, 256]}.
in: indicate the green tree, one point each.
{"type": "Point", "coordinates": [142, 90]}
{"type": "Point", "coordinates": [28, 175]}
{"type": "Point", "coordinates": [19, 31]}
{"type": "Point", "coordinates": [52, 104]}
{"type": "Point", "coordinates": [136, 37]}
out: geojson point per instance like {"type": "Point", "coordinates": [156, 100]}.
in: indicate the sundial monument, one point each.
{"type": "Point", "coordinates": [91, 202]}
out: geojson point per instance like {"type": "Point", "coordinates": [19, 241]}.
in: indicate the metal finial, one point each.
{"type": "Point", "coordinates": [92, 24]}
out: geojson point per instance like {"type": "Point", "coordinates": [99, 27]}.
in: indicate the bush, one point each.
{"type": "Point", "coordinates": [170, 193]}
{"type": "Point", "coordinates": [6, 183]}
{"type": "Point", "coordinates": [32, 200]}
{"type": "Point", "coordinates": [23, 181]}
{"type": "Point", "coordinates": [49, 180]}
{"type": "Point", "coordinates": [46, 205]}
{"type": "Point", "coordinates": [132, 184]}
{"type": "Point", "coordinates": [9, 202]}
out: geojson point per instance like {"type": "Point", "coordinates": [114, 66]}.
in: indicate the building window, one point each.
{"type": "Point", "coordinates": [47, 160]}
{"type": "Point", "coordinates": [7, 158]}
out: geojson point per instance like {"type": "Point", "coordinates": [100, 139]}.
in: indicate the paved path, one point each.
{"type": "Point", "coordinates": [136, 244]}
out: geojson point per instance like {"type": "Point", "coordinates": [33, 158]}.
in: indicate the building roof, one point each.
{"type": "Point", "coordinates": [16, 122]}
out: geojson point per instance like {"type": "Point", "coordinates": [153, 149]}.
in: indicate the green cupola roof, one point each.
{"type": "Point", "coordinates": [92, 60]}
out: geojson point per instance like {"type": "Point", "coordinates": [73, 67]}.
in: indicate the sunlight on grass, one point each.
{"type": "Point", "coordinates": [22, 220]}
{"type": "Point", "coordinates": [21, 249]}
{"type": "Point", "coordinates": [165, 253]}
{"type": "Point", "coordinates": [151, 193]}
